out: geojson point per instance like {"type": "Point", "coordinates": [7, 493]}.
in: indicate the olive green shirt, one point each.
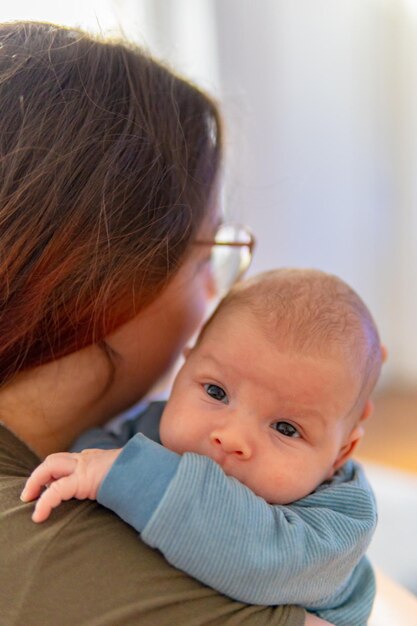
{"type": "Point", "coordinates": [85, 566]}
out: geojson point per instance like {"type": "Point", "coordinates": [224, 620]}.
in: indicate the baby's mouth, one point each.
{"type": "Point", "coordinates": [226, 463]}
{"type": "Point", "coordinates": [218, 457]}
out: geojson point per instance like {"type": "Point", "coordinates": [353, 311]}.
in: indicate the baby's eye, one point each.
{"type": "Point", "coordinates": [286, 429]}
{"type": "Point", "coordinates": [216, 392]}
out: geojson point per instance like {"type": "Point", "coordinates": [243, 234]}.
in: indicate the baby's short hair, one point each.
{"type": "Point", "coordinates": [314, 313]}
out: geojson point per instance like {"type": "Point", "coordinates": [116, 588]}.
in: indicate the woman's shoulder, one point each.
{"type": "Point", "coordinates": [86, 566]}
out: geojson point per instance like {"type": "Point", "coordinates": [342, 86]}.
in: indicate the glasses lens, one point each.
{"type": "Point", "coordinates": [230, 262]}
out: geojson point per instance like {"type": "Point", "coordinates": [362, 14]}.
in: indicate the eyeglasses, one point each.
{"type": "Point", "coordinates": [231, 254]}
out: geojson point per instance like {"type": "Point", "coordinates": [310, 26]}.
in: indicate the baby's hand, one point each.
{"type": "Point", "coordinates": [67, 475]}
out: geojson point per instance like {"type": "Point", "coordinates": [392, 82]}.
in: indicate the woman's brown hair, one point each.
{"type": "Point", "coordinates": [107, 162]}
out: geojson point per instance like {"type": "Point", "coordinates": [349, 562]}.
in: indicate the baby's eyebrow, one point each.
{"type": "Point", "coordinates": [210, 361]}
{"type": "Point", "coordinates": [303, 412]}
{"type": "Point", "coordinates": [210, 357]}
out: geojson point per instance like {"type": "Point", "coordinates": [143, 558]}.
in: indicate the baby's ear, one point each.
{"type": "Point", "coordinates": [354, 437]}
{"type": "Point", "coordinates": [367, 411]}
{"type": "Point", "coordinates": [384, 352]}
{"type": "Point", "coordinates": [349, 446]}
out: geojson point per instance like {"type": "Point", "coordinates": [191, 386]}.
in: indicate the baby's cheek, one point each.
{"type": "Point", "coordinates": [278, 494]}
{"type": "Point", "coordinates": [169, 433]}
{"type": "Point", "coordinates": [286, 487]}
{"type": "Point", "coordinates": [165, 430]}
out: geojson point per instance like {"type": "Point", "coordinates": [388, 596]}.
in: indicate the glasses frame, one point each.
{"type": "Point", "coordinates": [232, 244]}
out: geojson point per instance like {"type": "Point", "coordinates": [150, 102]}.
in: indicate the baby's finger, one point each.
{"type": "Point", "coordinates": [54, 467]}
{"type": "Point", "coordinates": [58, 491]}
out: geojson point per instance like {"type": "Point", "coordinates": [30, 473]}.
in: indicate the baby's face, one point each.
{"type": "Point", "coordinates": [273, 420]}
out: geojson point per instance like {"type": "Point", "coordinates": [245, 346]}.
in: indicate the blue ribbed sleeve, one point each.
{"type": "Point", "coordinates": [138, 480]}
{"type": "Point", "coordinates": [217, 530]}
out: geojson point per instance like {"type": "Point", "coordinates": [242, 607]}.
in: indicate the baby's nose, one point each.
{"type": "Point", "coordinates": [231, 443]}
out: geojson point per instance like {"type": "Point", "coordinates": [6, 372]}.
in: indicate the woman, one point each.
{"type": "Point", "coordinates": [109, 169]}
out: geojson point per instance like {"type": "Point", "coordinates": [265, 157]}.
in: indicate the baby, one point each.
{"type": "Point", "coordinates": [252, 490]}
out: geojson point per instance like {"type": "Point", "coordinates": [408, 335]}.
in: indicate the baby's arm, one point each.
{"type": "Point", "coordinates": [217, 530]}
{"type": "Point", "coordinates": [67, 475]}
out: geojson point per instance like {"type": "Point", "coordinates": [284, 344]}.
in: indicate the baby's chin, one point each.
{"type": "Point", "coordinates": [287, 494]}
{"type": "Point", "coordinates": [282, 497]}
{"type": "Point", "coordinates": [286, 497]}
{"type": "Point", "coordinates": [269, 495]}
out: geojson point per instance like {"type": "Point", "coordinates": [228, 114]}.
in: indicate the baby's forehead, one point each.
{"type": "Point", "coordinates": [304, 326]}
{"type": "Point", "coordinates": [243, 324]}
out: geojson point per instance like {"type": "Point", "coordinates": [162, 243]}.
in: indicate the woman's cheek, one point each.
{"type": "Point", "coordinates": [201, 291]}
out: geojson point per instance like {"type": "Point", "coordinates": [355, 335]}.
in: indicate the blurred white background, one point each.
{"type": "Point", "coordinates": [320, 103]}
